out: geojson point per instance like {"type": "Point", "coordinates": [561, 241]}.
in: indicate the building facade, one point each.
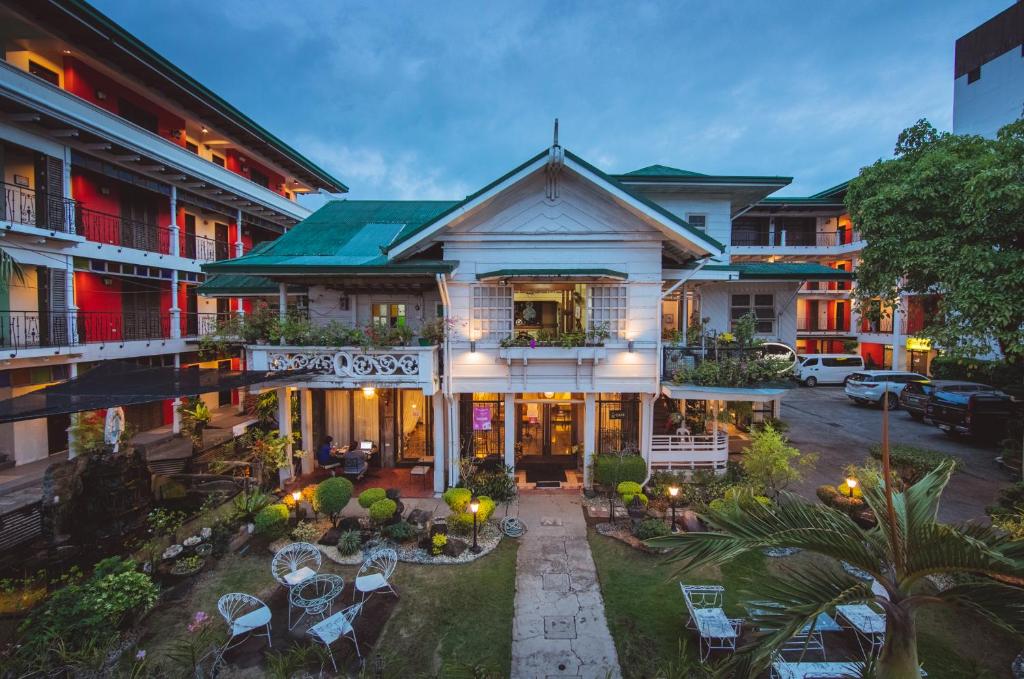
{"type": "Point", "coordinates": [568, 297]}
{"type": "Point", "coordinates": [988, 78]}
{"type": "Point", "coordinates": [121, 176]}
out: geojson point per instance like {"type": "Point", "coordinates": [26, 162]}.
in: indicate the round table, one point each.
{"type": "Point", "coordinates": [316, 595]}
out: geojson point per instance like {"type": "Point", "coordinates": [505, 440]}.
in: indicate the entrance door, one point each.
{"type": "Point", "coordinates": [546, 429]}
{"type": "Point", "coordinates": [220, 234]}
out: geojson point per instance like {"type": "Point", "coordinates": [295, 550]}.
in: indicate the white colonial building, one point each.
{"type": "Point", "coordinates": [566, 294]}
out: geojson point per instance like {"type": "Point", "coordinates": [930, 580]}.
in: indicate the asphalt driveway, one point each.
{"type": "Point", "coordinates": [824, 420]}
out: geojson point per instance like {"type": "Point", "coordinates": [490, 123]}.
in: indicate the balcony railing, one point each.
{"type": "Point", "coordinates": [36, 329]}
{"type": "Point", "coordinates": [809, 325]}
{"type": "Point", "coordinates": [826, 286]}
{"type": "Point", "coordinates": [821, 239]}
{"type": "Point", "coordinates": [204, 249]}
{"type": "Point", "coordinates": [690, 453]}
{"type": "Point", "coordinates": [40, 209]}
{"type": "Point", "coordinates": [352, 367]}
{"type": "Point", "coordinates": [674, 358]}
{"type": "Point", "coordinates": [102, 227]}
{"type": "Point", "coordinates": [882, 326]}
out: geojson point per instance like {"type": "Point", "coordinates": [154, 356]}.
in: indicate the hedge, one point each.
{"type": "Point", "coordinates": [457, 499]}
{"type": "Point", "coordinates": [611, 470]}
{"type": "Point", "coordinates": [462, 522]}
{"type": "Point", "coordinates": [272, 520]}
{"type": "Point", "coordinates": [331, 496]}
{"type": "Point", "coordinates": [382, 510]}
{"type": "Point", "coordinates": [913, 462]}
{"type": "Point", "coordinates": [371, 495]}
{"type": "Point", "coordinates": [995, 373]}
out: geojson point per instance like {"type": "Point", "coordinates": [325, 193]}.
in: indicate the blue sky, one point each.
{"type": "Point", "coordinates": [435, 99]}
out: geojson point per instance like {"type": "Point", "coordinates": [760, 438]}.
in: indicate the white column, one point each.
{"type": "Point", "coordinates": [238, 253]}
{"type": "Point", "coordinates": [646, 425]}
{"type": "Point", "coordinates": [174, 227]}
{"type": "Point", "coordinates": [282, 302]}
{"type": "Point", "coordinates": [454, 447]}
{"type": "Point", "coordinates": [72, 442]}
{"type": "Point", "coordinates": [589, 434]}
{"type": "Point", "coordinates": [69, 293]}
{"type": "Point", "coordinates": [175, 309]}
{"type": "Point", "coordinates": [899, 340]}
{"type": "Point", "coordinates": [510, 430]}
{"type": "Point", "coordinates": [284, 426]}
{"type": "Point", "coordinates": [437, 401]}
{"type": "Point", "coordinates": [176, 416]}
{"type": "Point", "coordinates": [306, 429]}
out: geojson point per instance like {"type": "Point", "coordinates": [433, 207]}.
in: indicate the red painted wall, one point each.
{"type": "Point", "coordinates": [876, 352]}
{"type": "Point", "coordinates": [240, 164]}
{"type": "Point", "coordinates": [84, 81]}
{"type": "Point", "coordinates": [100, 306]}
{"type": "Point", "coordinates": [86, 188]}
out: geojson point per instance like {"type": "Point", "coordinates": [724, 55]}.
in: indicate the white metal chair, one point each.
{"type": "Point", "coordinates": [781, 669]}
{"type": "Point", "coordinates": [375, 574]}
{"type": "Point", "coordinates": [243, 613]}
{"type": "Point", "coordinates": [715, 630]}
{"type": "Point", "coordinates": [341, 624]}
{"type": "Point", "coordinates": [294, 564]}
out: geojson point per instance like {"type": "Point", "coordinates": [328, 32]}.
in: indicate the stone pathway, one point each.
{"type": "Point", "coordinates": [559, 628]}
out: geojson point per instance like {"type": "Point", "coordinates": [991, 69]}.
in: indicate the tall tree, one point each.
{"type": "Point", "coordinates": [946, 216]}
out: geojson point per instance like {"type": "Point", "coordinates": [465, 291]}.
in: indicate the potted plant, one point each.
{"type": "Point", "coordinates": [433, 332]}
{"type": "Point", "coordinates": [598, 334]}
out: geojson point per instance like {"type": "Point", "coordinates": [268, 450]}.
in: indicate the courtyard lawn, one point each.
{"type": "Point", "coordinates": [647, 617]}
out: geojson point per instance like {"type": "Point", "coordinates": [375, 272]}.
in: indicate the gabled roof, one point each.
{"type": "Point", "coordinates": [672, 175]}
{"type": "Point", "coordinates": [832, 196]}
{"type": "Point", "coordinates": [80, 23]}
{"type": "Point", "coordinates": [410, 236]}
{"type": "Point", "coordinates": [662, 171]}
{"type": "Point", "coordinates": [343, 236]}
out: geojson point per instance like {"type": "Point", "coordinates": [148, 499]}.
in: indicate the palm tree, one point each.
{"type": "Point", "coordinates": [9, 267]}
{"type": "Point", "coordinates": [898, 553]}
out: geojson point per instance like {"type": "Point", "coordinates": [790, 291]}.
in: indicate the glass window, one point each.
{"type": "Point", "coordinates": [492, 312]}
{"type": "Point", "coordinates": [699, 222]}
{"type": "Point", "coordinates": [481, 424]}
{"type": "Point", "coordinates": [389, 315]}
{"type": "Point", "coordinates": [810, 362]}
{"type": "Point", "coordinates": [762, 306]}
{"type": "Point", "coordinates": [415, 425]}
{"type": "Point", "coordinates": [606, 307]}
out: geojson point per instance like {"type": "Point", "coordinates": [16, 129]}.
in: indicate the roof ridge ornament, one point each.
{"type": "Point", "coordinates": [556, 160]}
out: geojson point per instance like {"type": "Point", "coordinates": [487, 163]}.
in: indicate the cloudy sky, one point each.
{"type": "Point", "coordinates": [434, 99]}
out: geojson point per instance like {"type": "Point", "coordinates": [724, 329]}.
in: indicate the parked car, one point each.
{"type": "Point", "coordinates": [815, 369]}
{"type": "Point", "coordinates": [915, 395]}
{"type": "Point", "coordinates": [982, 414]}
{"type": "Point", "coordinates": [871, 386]}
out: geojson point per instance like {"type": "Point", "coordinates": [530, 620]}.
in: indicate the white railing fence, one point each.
{"type": "Point", "coordinates": [674, 452]}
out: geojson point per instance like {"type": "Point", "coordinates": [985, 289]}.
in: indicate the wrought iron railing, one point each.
{"type": "Point", "coordinates": [794, 238]}
{"type": "Point", "coordinates": [41, 329]}
{"type": "Point", "coordinates": [102, 227]}
{"type": "Point", "coordinates": [22, 205]}
{"type": "Point", "coordinates": [809, 325]}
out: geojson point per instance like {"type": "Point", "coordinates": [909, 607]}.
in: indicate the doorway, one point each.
{"type": "Point", "coordinates": [548, 428]}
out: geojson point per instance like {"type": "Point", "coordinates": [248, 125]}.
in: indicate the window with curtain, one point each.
{"type": "Point", "coordinates": [606, 304]}
{"type": "Point", "coordinates": [491, 313]}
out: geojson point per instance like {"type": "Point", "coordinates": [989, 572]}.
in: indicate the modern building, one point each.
{"type": "Point", "coordinates": [988, 85]}
{"type": "Point", "coordinates": [565, 292]}
{"type": "Point", "coordinates": [121, 176]}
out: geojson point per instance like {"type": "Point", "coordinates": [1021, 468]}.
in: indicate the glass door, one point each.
{"type": "Point", "coordinates": [547, 426]}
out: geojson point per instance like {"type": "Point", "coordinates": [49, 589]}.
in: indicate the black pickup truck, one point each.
{"type": "Point", "coordinates": [981, 414]}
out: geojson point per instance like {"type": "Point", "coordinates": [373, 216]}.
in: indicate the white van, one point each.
{"type": "Point", "coordinates": [826, 368]}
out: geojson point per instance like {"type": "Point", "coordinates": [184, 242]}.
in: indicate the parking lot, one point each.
{"type": "Point", "coordinates": [825, 421]}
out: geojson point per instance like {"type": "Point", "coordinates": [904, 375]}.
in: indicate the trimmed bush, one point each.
{"type": "Point", "coordinates": [650, 528]}
{"type": "Point", "coordinates": [457, 499]}
{"type": "Point", "coordinates": [382, 510]}
{"type": "Point", "coordinates": [272, 520]}
{"type": "Point", "coordinates": [371, 495]}
{"type": "Point", "coordinates": [913, 462]}
{"type": "Point", "coordinates": [611, 470]}
{"type": "Point", "coordinates": [830, 495]}
{"type": "Point", "coordinates": [402, 531]}
{"type": "Point", "coordinates": [331, 496]}
{"type": "Point", "coordinates": [349, 542]}
{"type": "Point", "coordinates": [462, 522]}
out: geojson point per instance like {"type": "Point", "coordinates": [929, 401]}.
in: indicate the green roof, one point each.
{"type": "Point", "coordinates": [662, 171]}
{"type": "Point", "coordinates": [237, 284]}
{"type": "Point", "coordinates": [407, 234]}
{"type": "Point", "coordinates": [831, 196]}
{"type": "Point", "coordinates": [553, 273]}
{"type": "Point", "coordinates": [834, 192]}
{"type": "Point", "coordinates": [109, 34]}
{"type": "Point", "coordinates": [783, 271]}
{"type": "Point", "coordinates": [343, 236]}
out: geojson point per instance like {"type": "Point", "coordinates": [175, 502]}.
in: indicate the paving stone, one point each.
{"type": "Point", "coordinates": [559, 627]}
{"type": "Point", "coordinates": [556, 582]}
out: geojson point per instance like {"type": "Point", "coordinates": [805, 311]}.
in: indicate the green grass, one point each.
{"type": "Point", "coordinates": [647, 616]}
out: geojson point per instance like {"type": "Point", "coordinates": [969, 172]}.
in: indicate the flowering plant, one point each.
{"type": "Point", "coordinates": [437, 543]}
{"type": "Point", "coordinates": [199, 620]}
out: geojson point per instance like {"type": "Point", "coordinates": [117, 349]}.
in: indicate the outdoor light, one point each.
{"type": "Point", "coordinates": [297, 495]}
{"type": "Point", "coordinates": [204, 130]}
{"type": "Point", "coordinates": [549, 394]}
{"type": "Point", "coordinates": [851, 483]}
{"type": "Point", "coordinates": [629, 346]}
{"type": "Point", "coordinates": [474, 506]}
{"type": "Point", "coordinates": [472, 346]}
{"type": "Point", "coordinates": [368, 392]}
{"type": "Point", "coordinates": [673, 491]}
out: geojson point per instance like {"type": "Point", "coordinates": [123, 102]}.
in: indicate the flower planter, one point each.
{"type": "Point", "coordinates": [240, 539]}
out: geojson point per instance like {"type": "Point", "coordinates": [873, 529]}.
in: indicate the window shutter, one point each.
{"type": "Point", "coordinates": [58, 306]}
{"type": "Point", "coordinates": [50, 193]}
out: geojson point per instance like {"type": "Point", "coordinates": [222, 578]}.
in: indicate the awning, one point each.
{"type": "Point", "coordinates": [119, 383]}
{"type": "Point", "coordinates": [547, 274]}
{"type": "Point", "coordinates": [782, 271]}
{"type": "Point", "coordinates": [698, 393]}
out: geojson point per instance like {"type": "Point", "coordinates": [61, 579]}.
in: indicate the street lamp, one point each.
{"type": "Point", "coordinates": [673, 491]}
{"type": "Point", "coordinates": [851, 483]}
{"type": "Point", "coordinates": [474, 506]}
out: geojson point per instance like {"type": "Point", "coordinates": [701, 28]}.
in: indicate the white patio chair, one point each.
{"type": "Point", "coordinates": [339, 625]}
{"type": "Point", "coordinates": [294, 564]}
{"type": "Point", "coordinates": [715, 630]}
{"type": "Point", "coordinates": [375, 574]}
{"type": "Point", "coordinates": [243, 613]}
{"type": "Point", "coordinates": [781, 669]}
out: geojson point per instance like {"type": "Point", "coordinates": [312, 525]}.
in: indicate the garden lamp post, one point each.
{"type": "Point", "coordinates": [673, 491]}
{"type": "Point", "coordinates": [474, 506]}
{"type": "Point", "coordinates": [851, 483]}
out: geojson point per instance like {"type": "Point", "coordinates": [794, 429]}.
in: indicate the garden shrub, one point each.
{"type": "Point", "coordinates": [913, 462]}
{"type": "Point", "coordinates": [707, 486]}
{"type": "Point", "coordinates": [610, 469]}
{"type": "Point", "coordinates": [349, 542]}
{"type": "Point", "coordinates": [462, 522]}
{"type": "Point", "coordinates": [830, 496]}
{"type": "Point", "coordinates": [438, 543]}
{"type": "Point", "coordinates": [331, 496]}
{"type": "Point", "coordinates": [628, 490]}
{"type": "Point", "coordinates": [272, 520]}
{"type": "Point", "coordinates": [499, 485]}
{"type": "Point", "coordinates": [1009, 501]}
{"type": "Point", "coordinates": [248, 504]}
{"type": "Point", "coordinates": [998, 374]}
{"type": "Point", "coordinates": [457, 499]}
{"type": "Point", "coordinates": [382, 510]}
{"type": "Point", "coordinates": [400, 531]}
{"type": "Point", "coordinates": [306, 532]}
{"type": "Point", "coordinates": [738, 496]}
{"type": "Point", "coordinates": [650, 528]}
{"type": "Point", "coordinates": [371, 495]}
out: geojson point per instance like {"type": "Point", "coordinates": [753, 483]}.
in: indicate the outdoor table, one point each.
{"type": "Point", "coordinates": [866, 622]}
{"type": "Point", "coordinates": [316, 595]}
{"type": "Point", "coordinates": [420, 470]}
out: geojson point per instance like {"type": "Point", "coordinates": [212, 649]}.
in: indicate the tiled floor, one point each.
{"type": "Point", "coordinates": [398, 477]}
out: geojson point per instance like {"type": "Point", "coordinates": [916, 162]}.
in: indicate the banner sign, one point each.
{"type": "Point", "coordinates": [481, 418]}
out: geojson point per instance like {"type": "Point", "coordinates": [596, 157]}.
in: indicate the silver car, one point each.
{"type": "Point", "coordinates": [871, 386]}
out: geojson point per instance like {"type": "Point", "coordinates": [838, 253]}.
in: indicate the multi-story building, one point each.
{"type": "Point", "coordinates": [121, 176]}
{"type": "Point", "coordinates": [988, 85]}
{"type": "Point", "coordinates": [559, 284]}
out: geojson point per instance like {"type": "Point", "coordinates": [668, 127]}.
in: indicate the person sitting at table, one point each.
{"type": "Point", "coordinates": [323, 453]}
{"type": "Point", "coordinates": [356, 465]}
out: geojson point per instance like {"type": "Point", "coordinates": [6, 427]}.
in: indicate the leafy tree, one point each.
{"type": "Point", "coordinates": [898, 553]}
{"type": "Point", "coordinates": [946, 215]}
{"type": "Point", "coordinates": [770, 463]}
{"type": "Point", "coordinates": [9, 268]}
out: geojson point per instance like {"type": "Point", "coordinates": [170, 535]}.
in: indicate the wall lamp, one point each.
{"type": "Point", "coordinates": [629, 346]}
{"type": "Point", "coordinates": [472, 346]}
